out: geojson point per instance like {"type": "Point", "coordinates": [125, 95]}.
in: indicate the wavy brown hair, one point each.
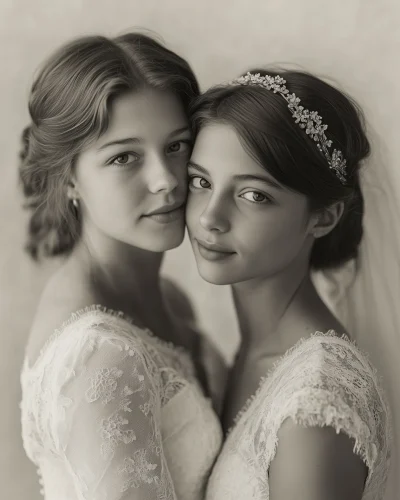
{"type": "Point", "coordinates": [69, 106]}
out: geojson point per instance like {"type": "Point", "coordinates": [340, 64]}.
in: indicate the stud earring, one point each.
{"type": "Point", "coordinates": [75, 207]}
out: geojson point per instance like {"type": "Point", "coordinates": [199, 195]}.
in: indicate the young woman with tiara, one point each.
{"type": "Point", "coordinates": [275, 193]}
{"type": "Point", "coordinates": [112, 407]}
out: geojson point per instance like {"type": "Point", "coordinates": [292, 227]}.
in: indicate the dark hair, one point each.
{"type": "Point", "coordinates": [69, 107]}
{"type": "Point", "coordinates": [273, 138]}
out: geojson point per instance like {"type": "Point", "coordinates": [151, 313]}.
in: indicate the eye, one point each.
{"type": "Point", "coordinates": [180, 147]}
{"type": "Point", "coordinates": [255, 197]}
{"type": "Point", "coordinates": [197, 182]}
{"type": "Point", "coordinates": [124, 159]}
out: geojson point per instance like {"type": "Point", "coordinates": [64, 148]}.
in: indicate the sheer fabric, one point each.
{"type": "Point", "coordinates": [322, 381]}
{"type": "Point", "coordinates": [111, 412]}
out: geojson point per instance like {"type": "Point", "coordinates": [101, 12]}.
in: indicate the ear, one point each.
{"type": "Point", "coordinates": [326, 219]}
{"type": "Point", "coordinates": [72, 190]}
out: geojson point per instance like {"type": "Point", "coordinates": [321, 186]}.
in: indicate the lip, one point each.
{"type": "Point", "coordinates": [214, 247]}
{"type": "Point", "coordinates": [213, 252]}
{"type": "Point", "coordinates": [165, 209]}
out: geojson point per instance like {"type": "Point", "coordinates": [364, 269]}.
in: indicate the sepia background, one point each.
{"type": "Point", "coordinates": [354, 42]}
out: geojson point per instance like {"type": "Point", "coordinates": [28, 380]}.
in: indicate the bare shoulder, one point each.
{"type": "Point", "coordinates": [313, 463]}
{"type": "Point", "coordinates": [61, 297]}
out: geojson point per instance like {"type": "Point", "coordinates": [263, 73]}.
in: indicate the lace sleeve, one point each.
{"type": "Point", "coordinates": [114, 447]}
{"type": "Point", "coordinates": [328, 382]}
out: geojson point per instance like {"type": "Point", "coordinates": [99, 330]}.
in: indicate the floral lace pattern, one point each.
{"type": "Point", "coordinates": [322, 381]}
{"type": "Point", "coordinates": [112, 432]}
{"type": "Point", "coordinates": [139, 470]}
{"type": "Point", "coordinates": [94, 401]}
{"type": "Point", "coordinates": [103, 385]}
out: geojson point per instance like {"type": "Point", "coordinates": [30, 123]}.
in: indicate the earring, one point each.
{"type": "Point", "coordinates": [75, 207]}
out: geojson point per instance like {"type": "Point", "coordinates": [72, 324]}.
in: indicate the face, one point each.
{"type": "Point", "coordinates": [242, 223]}
{"type": "Point", "coordinates": [132, 182]}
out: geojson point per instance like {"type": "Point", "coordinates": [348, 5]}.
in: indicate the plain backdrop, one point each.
{"type": "Point", "coordinates": [354, 42]}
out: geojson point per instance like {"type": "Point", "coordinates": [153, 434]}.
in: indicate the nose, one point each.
{"type": "Point", "coordinates": [215, 216]}
{"type": "Point", "coordinates": [161, 177]}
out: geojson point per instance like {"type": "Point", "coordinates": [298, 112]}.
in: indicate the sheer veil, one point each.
{"type": "Point", "coordinates": [365, 293]}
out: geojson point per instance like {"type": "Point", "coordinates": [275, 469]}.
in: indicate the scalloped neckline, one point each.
{"type": "Point", "coordinates": [76, 315]}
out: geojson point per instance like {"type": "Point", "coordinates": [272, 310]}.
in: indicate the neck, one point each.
{"type": "Point", "coordinates": [262, 304]}
{"type": "Point", "coordinates": [123, 275]}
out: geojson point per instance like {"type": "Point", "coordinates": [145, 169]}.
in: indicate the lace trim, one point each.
{"type": "Point", "coordinates": [354, 402]}
{"type": "Point", "coordinates": [289, 352]}
{"type": "Point", "coordinates": [341, 419]}
{"type": "Point", "coordinates": [76, 315]}
{"type": "Point", "coordinates": [337, 413]}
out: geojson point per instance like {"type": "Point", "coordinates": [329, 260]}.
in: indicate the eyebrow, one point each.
{"type": "Point", "coordinates": [179, 131]}
{"type": "Point", "coordinates": [137, 140]}
{"type": "Point", "coordinates": [241, 177]}
{"type": "Point", "coordinates": [127, 140]}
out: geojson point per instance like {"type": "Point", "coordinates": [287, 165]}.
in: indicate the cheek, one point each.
{"type": "Point", "coordinates": [194, 208]}
{"type": "Point", "coordinates": [275, 236]}
{"type": "Point", "coordinates": [114, 197]}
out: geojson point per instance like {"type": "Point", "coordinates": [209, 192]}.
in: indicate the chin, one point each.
{"type": "Point", "coordinates": [155, 241]}
{"type": "Point", "coordinates": [167, 240]}
{"type": "Point", "coordinates": [173, 243]}
{"type": "Point", "coordinates": [215, 275]}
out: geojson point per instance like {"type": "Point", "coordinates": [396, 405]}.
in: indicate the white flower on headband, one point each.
{"type": "Point", "coordinates": [310, 121]}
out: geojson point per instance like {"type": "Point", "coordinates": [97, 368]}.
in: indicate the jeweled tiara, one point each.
{"type": "Point", "coordinates": [308, 120]}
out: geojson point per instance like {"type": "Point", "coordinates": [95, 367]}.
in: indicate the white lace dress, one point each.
{"type": "Point", "coordinates": [323, 380]}
{"type": "Point", "coordinates": [111, 412]}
